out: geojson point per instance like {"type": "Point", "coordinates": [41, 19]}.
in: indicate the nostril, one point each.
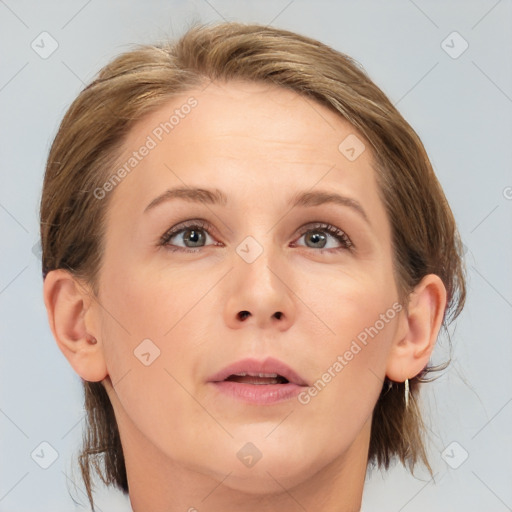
{"type": "Point", "coordinates": [278, 315]}
{"type": "Point", "coordinates": [243, 315]}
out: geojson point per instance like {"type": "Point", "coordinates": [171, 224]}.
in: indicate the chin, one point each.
{"type": "Point", "coordinates": [266, 478]}
{"type": "Point", "coordinates": [269, 470]}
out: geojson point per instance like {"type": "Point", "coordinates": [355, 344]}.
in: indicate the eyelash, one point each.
{"type": "Point", "coordinates": [206, 226]}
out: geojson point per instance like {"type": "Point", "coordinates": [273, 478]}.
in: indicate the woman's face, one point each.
{"type": "Point", "coordinates": [168, 311]}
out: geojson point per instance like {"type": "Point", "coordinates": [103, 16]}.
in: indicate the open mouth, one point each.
{"type": "Point", "coordinates": [257, 379]}
{"type": "Point", "coordinates": [258, 382]}
{"type": "Point", "coordinates": [267, 382]}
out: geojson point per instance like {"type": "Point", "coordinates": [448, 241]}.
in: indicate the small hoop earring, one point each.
{"type": "Point", "coordinates": [406, 393]}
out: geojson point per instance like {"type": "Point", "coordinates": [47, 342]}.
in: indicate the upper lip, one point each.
{"type": "Point", "coordinates": [252, 366]}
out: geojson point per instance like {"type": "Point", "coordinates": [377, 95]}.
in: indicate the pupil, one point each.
{"type": "Point", "coordinates": [318, 236]}
{"type": "Point", "coordinates": [192, 238]}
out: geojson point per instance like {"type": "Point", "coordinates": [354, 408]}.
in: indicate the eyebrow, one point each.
{"type": "Point", "coordinates": [217, 197]}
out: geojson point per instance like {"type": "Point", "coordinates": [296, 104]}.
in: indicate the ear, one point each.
{"type": "Point", "coordinates": [418, 330]}
{"type": "Point", "coordinates": [67, 301]}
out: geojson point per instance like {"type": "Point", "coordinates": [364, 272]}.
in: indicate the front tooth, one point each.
{"type": "Point", "coordinates": [263, 375]}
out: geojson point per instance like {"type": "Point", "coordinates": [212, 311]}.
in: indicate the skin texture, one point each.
{"type": "Point", "coordinates": [260, 145]}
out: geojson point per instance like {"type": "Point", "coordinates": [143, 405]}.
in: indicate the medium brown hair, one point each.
{"type": "Point", "coordinates": [91, 136]}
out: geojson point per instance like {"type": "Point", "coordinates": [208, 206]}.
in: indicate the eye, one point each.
{"type": "Point", "coordinates": [193, 233]}
{"type": "Point", "coordinates": [316, 235]}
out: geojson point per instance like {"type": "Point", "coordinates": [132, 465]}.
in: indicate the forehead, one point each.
{"type": "Point", "coordinates": [250, 140]}
{"type": "Point", "coordinates": [255, 115]}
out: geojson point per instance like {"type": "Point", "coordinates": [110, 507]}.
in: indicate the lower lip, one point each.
{"type": "Point", "coordinates": [259, 394]}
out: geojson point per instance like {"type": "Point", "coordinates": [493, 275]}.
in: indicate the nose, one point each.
{"type": "Point", "coordinates": [260, 293]}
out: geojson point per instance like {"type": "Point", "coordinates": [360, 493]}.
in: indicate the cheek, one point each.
{"type": "Point", "coordinates": [149, 341]}
{"type": "Point", "coordinates": [146, 301]}
{"type": "Point", "coordinates": [150, 329]}
{"type": "Point", "coordinates": [353, 306]}
{"type": "Point", "coordinates": [338, 313]}
{"type": "Point", "coordinates": [342, 341]}
{"type": "Point", "coordinates": [350, 357]}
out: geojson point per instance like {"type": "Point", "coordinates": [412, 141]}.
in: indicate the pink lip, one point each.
{"type": "Point", "coordinates": [269, 365]}
{"type": "Point", "coordinates": [259, 394]}
{"type": "Point", "coordinates": [264, 394]}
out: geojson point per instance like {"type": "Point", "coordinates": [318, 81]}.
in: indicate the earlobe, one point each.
{"type": "Point", "coordinates": [422, 321]}
{"type": "Point", "coordinates": [67, 302]}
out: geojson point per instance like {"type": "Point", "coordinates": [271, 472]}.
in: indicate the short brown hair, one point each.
{"type": "Point", "coordinates": [424, 234]}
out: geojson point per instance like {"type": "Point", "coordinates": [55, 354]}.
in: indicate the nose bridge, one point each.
{"type": "Point", "coordinates": [259, 259]}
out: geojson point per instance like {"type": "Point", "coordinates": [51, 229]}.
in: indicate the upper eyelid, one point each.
{"type": "Point", "coordinates": [207, 226]}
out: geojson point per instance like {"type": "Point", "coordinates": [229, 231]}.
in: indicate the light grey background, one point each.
{"type": "Point", "coordinates": [461, 108]}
